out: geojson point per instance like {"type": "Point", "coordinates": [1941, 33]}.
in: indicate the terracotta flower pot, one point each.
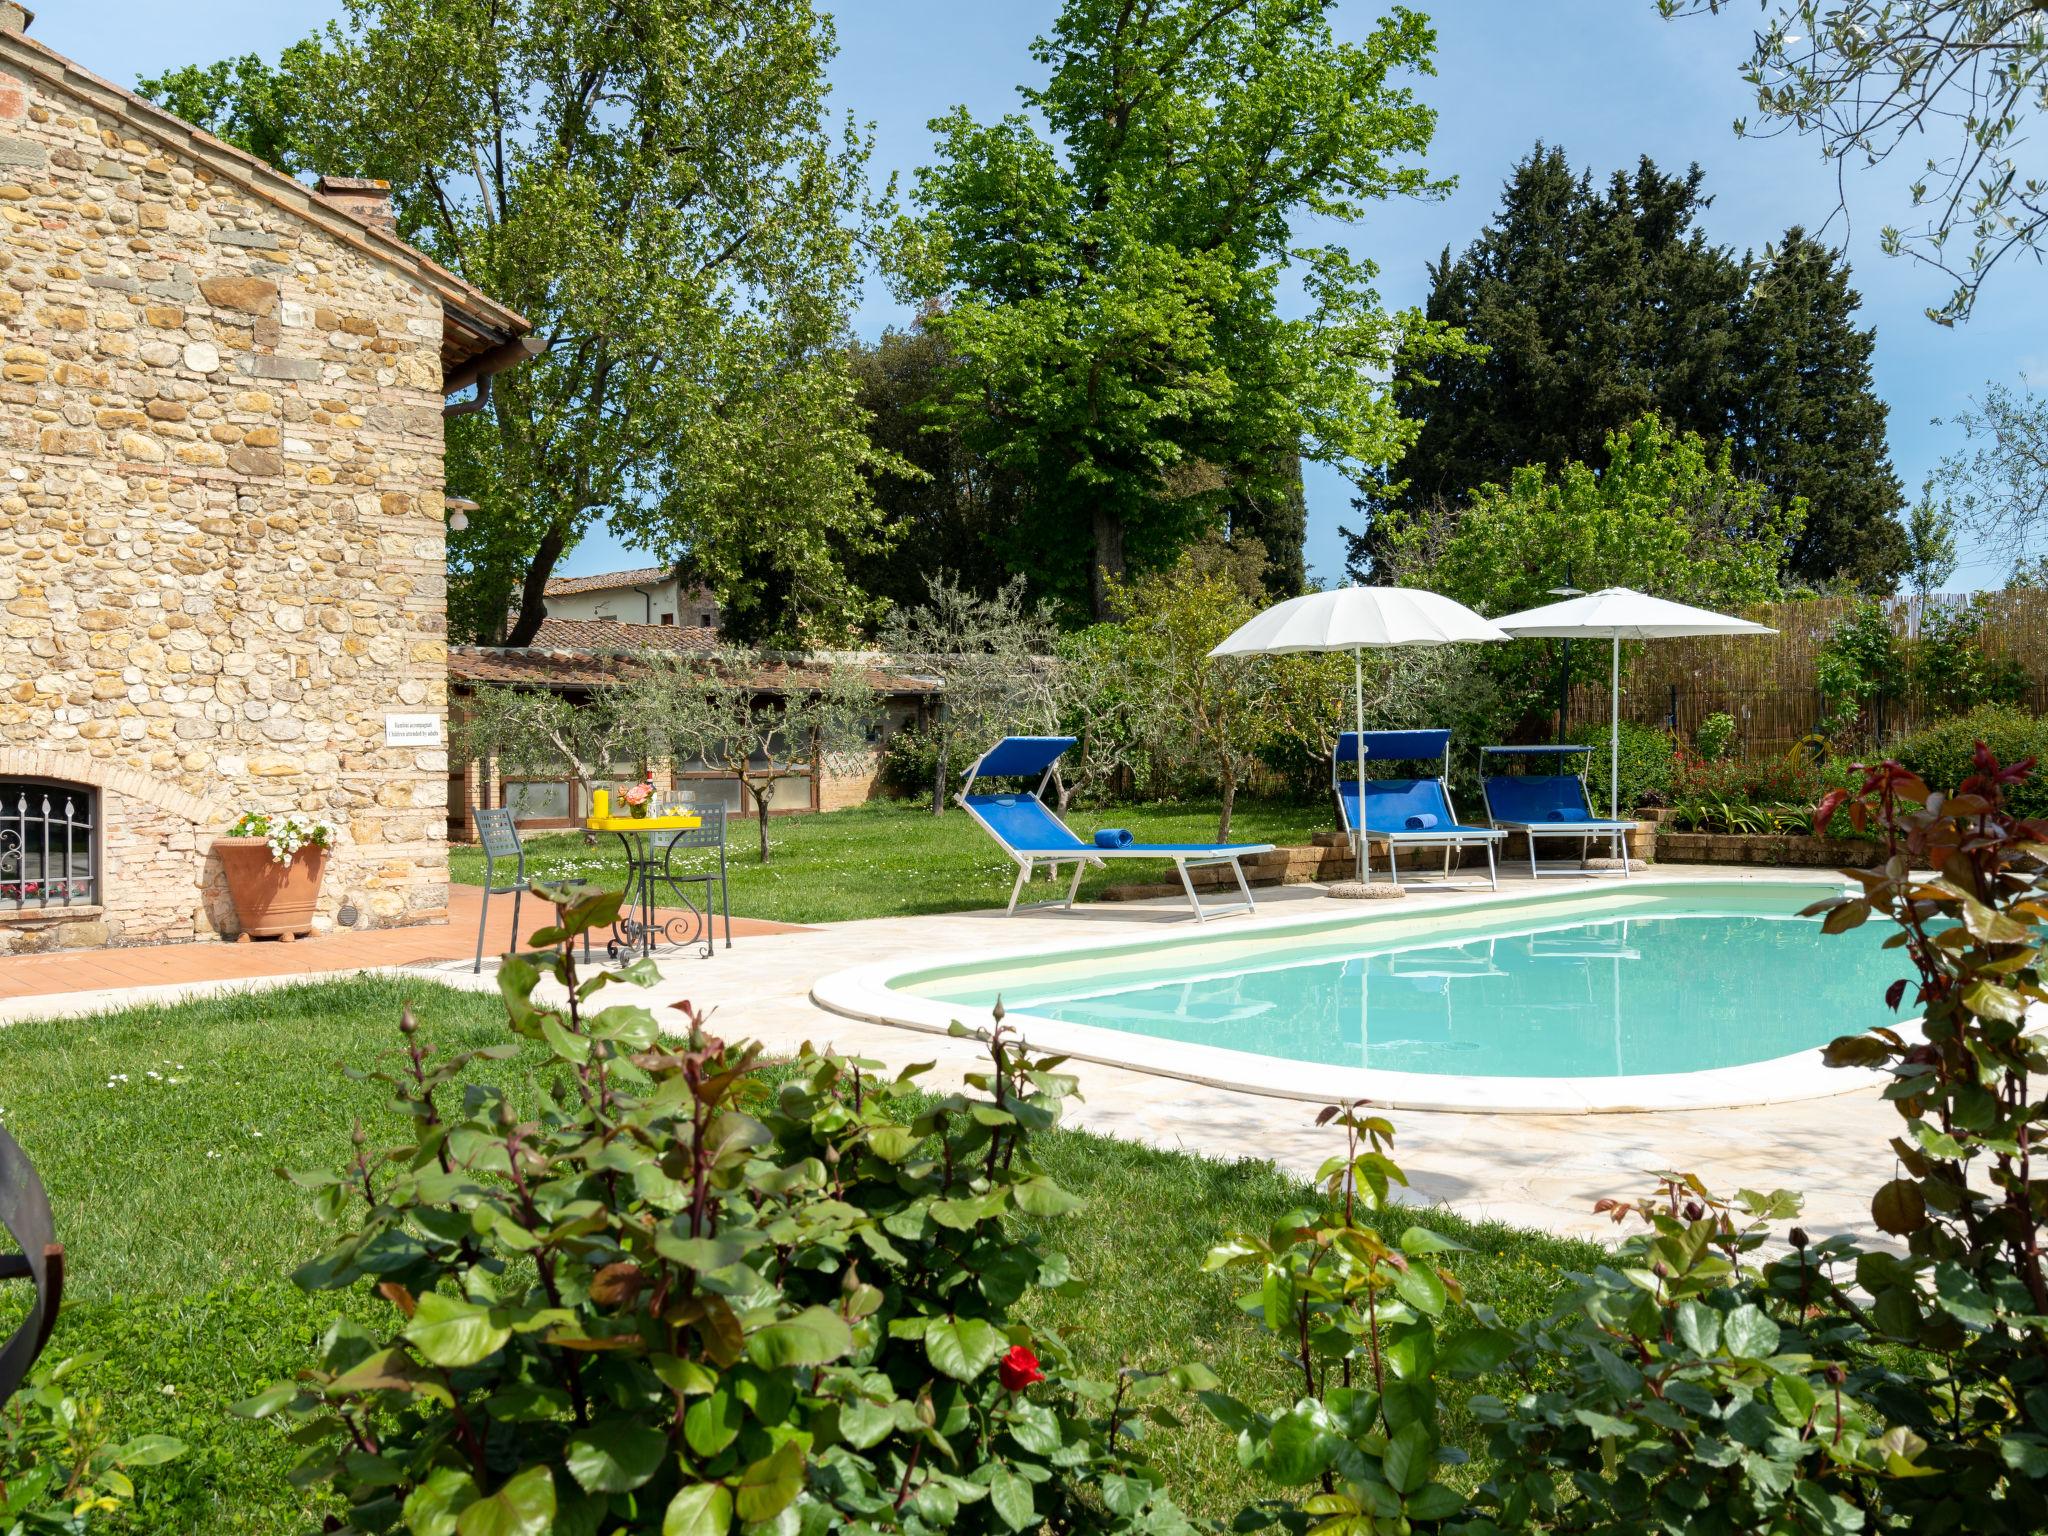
{"type": "Point", "coordinates": [272, 900]}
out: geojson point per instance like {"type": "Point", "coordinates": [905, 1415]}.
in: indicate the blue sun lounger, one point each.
{"type": "Point", "coordinates": [1553, 805]}
{"type": "Point", "coordinates": [1405, 813]}
{"type": "Point", "coordinates": [1032, 835]}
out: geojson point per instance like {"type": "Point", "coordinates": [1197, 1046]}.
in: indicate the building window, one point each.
{"type": "Point", "coordinates": [48, 844]}
{"type": "Point", "coordinates": [668, 618]}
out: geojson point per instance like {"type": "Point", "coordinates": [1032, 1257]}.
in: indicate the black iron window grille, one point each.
{"type": "Point", "coordinates": [48, 845]}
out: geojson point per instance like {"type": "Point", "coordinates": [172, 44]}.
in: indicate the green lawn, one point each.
{"type": "Point", "coordinates": [180, 1235]}
{"type": "Point", "coordinates": [889, 858]}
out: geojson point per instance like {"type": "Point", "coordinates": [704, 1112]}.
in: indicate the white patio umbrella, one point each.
{"type": "Point", "coordinates": [1619, 614]}
{"type": "Point", "coordinates": [1358, 619]}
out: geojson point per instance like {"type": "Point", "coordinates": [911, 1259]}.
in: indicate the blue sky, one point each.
{"type": "Point", "coordinates": [1606, 79]}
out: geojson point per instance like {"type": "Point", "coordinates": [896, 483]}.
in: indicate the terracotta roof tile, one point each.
{"type": "Point", "coordinates": [645, 576]}
{"type": "Point", "coordinates": [539, 666]}
{"type": "Point", "coordinates": [601, 635]}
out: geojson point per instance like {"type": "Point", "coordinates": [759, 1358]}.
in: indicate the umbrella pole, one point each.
{"type": "Point", "coordinates": [1358, 720]}
{"type": "Point", "coordinates": [1614, 734]}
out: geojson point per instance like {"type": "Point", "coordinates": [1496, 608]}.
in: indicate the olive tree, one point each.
{"type": "Point", "coordinates": [543, 732]}
{"type": "Point", "coordinates": [759, 716]}
{"type": "Point", "coordinates": [993, 659]}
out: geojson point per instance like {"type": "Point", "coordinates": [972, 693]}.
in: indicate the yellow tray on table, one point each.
{"type": "Point", "coordinates": [677, 823]}
{"type": "Point", "coordinates": [602, 820]}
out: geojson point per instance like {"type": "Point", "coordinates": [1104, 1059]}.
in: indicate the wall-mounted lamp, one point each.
{"type": "Point", "coordinates": [459, 509]}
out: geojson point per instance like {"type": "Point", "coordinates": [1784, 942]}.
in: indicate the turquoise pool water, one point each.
{"type": "Point", "coordinates": [1592, 987]}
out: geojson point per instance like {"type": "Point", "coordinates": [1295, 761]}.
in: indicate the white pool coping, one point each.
{"type": "Point", "coordinates": [868, 993]}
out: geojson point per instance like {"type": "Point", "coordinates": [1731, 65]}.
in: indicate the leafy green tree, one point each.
{"type": "Point", "coordinates": [1930, 540]}
{"type": "Point", "coordinates": [945, 505]}
{"type": "Point", "coordinates": [1275, 512]}
{"type": "Point", "coordinates": [1806, 419]}
{"type": "Point", "coordinates": [1872, 78]}
{"type": "Point", "coordinates": [1108, 267]}
{"type": "Point", "coordinates": [1667, 514]}
{"type": "Point", "coordinates": [656, 185]}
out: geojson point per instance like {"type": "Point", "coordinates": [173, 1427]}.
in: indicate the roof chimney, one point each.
{"type": "Point", "coordinates": [358, 196]}
{"type": "Point", "coordinates": [15, 18]}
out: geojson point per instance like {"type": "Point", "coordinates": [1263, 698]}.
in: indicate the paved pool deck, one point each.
{"type": "Point", "coordinates": [1529, 1170]}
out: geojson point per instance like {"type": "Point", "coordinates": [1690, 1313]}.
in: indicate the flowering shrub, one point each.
{"type": "Point", "coordinates": [1716, 734]}
{"type": "Point", "coordinates": [60, 1468]}
{"type": "Point", "coordinates": [287, 834]}
{"type": "Point", "coordinates": [692, 1293]}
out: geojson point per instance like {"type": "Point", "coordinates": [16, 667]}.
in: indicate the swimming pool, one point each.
{"type": "Point", "coordinates": [1670, 992]}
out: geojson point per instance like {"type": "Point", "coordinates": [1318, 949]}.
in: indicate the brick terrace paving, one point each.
{"type": "Point", "coordinates": [102, 970]}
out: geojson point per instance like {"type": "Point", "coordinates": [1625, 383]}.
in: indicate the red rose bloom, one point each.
{"type": "Point", "coordinates": [1019, 1368]}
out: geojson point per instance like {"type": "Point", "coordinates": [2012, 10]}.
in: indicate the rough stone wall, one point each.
{"type": "Point", "coordinates": [221, 538]}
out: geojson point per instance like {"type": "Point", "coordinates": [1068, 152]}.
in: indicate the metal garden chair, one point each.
{"type": "Point", "coordinates": [710, 835]}
{"type": "Point", "coordinates": [499, 834]}
{"type": "Point", "coordinates": [25, 1216]}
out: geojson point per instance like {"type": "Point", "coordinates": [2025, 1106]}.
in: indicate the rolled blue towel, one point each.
{"type": "Point", "coordinates": [1113, 837]}
{"type": "Point", "coordinates": [1421, 821]}
{"type": "Point", "coordinates": [1556, 815]}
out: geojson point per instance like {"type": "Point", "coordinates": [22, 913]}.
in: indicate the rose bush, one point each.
{"type": "Point", "coordinates": [696, 1291]}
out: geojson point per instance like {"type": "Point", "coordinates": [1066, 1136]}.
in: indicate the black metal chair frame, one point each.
{"type": "Point", "coordinates": [498, 832]}
{"type": "Point", "coordinates": [25, 1214]}
{"type": "Point", "coordinates": [710, 835]}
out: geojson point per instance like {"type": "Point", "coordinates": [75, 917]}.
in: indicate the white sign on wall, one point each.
{"type": "Point", "coordinates": [412, 730]}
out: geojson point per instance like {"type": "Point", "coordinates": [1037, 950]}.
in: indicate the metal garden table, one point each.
{"type": "Point", "coordinates": [646, 866]}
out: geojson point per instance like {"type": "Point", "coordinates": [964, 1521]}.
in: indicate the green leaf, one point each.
{"type": "Point", "coordinates": [525, 1506]}
{"type": "Point", "coordinates": [1011, 1498]}
{"type": "Point", "coordinates": [1043, 1197]}
{"type": "Point", "coordinates": [712, 1422]}
{"type": "Point", "coordinates": [1408, 1458]}
{"type": "Point", "coordinates": [771, 1484]}
{"type": "Point", "coordinates": [452, 1333]}
{"type": "Point", "coordinates": [1417, 1241]}
{"type": "Point", "coordinates": [1434, 1501]}
{"type": "Point", "coordinates": [431, 1508]}
{"type": "Point", "coordinates": [892, 1143]}
{"type": "Point", "coordinates": [1419, 1286]}
{"type": "Point", "coordinates": [1298, 1447]}
{"type": "Point", "coordinates": [702, 1509]}
{"type": "Point", "coordinates": [962, 1347]}
{"type": "Point", "coordinates": [1699, 1327]}
{"type": "Point", "coordinates": [149, 1451]}
{"type": "Point", "coordinates": [1477, 1352]}
{"type": "Point", "coordinates": [703, 1254]}
{"type": "Point", "coordinates": [615, 1455]}
{"type": "Point", "coordinates": [1749, 1334]}
{"type": "Point", "coordinates": [813, 1337]}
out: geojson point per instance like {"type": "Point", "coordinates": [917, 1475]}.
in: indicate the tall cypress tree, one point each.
{"type": "Point", "coordinates": [1600, 305]}
{"type": "Point", "coordinates": [1806, 422]}
{"type": "Point", "coordinates": [1596, 306]}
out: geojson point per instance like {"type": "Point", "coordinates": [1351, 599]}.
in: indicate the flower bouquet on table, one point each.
{"type": "Point", "coordinates": [638, 800]}
{"type": "Point", "coordinates": [274, 862]}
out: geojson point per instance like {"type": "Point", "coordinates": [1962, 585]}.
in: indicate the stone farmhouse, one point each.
{"type": "Point", "coordinates": [221, 517]}
{"type": "Point", "coordinates": [650, 595]}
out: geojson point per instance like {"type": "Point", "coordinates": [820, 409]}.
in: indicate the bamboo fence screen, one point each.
{"type": "Point", "coordinates": [1767, 683]}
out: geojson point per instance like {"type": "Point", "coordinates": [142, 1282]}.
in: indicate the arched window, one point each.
{"type": "Point", "coordinates": [48, 844]}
